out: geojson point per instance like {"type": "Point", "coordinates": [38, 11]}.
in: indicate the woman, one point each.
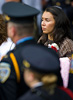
{"type": "Point", "coordinates": [56, 29]}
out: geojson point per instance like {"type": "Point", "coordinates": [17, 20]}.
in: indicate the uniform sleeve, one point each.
{"type": "Point", "coordinates": [7, 79]}
{"type": "Point", "coordinates": [70, 84]}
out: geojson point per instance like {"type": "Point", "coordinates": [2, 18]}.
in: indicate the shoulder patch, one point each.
{"type": "Point", "coordinates": [5, 70]}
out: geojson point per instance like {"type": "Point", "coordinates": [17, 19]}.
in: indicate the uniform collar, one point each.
{"type": "Point", "coordinates": [38, 84]}
{"type": "Point", "coordinates": [24, 39]}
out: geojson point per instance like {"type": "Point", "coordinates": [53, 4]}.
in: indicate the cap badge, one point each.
{"type": "Point", "coordinates": [7, 18]}
{"type": "Point", "coordinates": [26, 64]}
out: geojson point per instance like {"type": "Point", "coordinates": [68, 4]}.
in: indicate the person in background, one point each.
{"type": "Point", "coordinates": [42, 74]}
{"type": "Point", "coordinates": [1, 3]}
{"type": "Point", "coordinates": [46, 3]}
{"type": "Point", "coordinates": [60, 3]}
{"type": "Point", "coordinates": [56, 29]}
{"type": "Point", "coordinates": [20, 28]}
{"type": "Point", "coordinates": [13, 0]}
{"type": "Point", "coordinates": [5, 43]}
{"type": "Point", "coordinates": [69, 12]}
{"type": "Point", "coordinates": [3, 30]}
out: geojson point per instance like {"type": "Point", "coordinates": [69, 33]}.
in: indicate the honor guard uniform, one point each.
{"type": "Point", "coordinates": [20, 19]}
{"type": "Point", "coordinates": [42, 66]}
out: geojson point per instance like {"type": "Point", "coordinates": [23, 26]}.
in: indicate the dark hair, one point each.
{"type": "Point", "coordinates": [3, 30]}
{"type": "Point", "coordinates": [71, 0]}
{"type": "Point", "coordinates": [62, 24]}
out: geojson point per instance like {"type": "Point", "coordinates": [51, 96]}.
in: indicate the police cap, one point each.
{"type": "Point", "coordinates": [18, 12]}
{"type": "Point", "coordinates": [40, 59]}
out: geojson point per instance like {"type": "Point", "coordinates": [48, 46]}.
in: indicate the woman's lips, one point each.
{"type": "Point", "coordinates": [43, 29]}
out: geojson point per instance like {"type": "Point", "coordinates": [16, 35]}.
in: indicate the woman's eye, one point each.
{"type": "Point", "coordinates": [47, 20]}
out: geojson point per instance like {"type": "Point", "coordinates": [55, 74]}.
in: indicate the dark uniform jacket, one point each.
{"type": "Point", "coordinates": [70, 84]}
{"type": "Point", "coordinates": [40, 94]}
{"type": "Point", "coordinates": [12, 85]}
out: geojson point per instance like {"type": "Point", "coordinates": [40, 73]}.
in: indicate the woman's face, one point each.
{"type": "Point", "coordinates": [48, 22]}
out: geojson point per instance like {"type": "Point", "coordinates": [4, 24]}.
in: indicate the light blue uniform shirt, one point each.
{"type": "Point", "coordinates": [24, 39]}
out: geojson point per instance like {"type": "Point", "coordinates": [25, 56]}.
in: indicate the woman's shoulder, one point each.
{"type": "Point", "coordinates": [67, 42]}
{"type": "Point", "coordinates": [66, 47]}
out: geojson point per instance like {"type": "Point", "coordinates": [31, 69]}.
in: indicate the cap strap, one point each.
{"type": "Point", "coordinates": [16, 67]}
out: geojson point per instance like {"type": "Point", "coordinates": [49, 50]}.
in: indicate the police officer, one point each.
{"type": "Point", "coordinates": [42, 73]}
{"type": "Point", "coordinates": [20, 27]}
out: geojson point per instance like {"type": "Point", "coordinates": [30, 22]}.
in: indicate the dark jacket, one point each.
{"type": "Point", "coordinates": [70, 83]}
{"type": "Point", "coordinates": [41, 94]}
